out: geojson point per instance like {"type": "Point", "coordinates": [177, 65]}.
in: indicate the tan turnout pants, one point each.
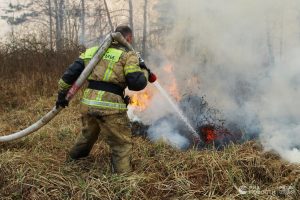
{"type": "Point", "coordinates": [115, 130]}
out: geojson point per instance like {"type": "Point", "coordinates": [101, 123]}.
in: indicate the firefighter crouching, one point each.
{"type": "Point", "coordinates": [103, 105]}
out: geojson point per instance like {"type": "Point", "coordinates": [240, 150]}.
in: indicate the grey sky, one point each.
{"type": "Point", "coordinates": [3, 25]}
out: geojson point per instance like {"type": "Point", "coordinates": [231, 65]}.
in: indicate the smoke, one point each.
{"type": "Point", "coordinates": [165, 131]}
{"type": "Point", "coordinates": [245, 57]}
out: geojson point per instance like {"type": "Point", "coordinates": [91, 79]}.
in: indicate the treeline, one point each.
{"type": "Point", "coordinates": [47, 35]}
{"type": "Point", "coordinates": [64, 23]}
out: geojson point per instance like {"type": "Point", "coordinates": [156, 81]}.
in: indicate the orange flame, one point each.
{"type": "Point", "coordinates": [172, 88]}
{"type": "Point", "coordinates": [168, 68]}
{"type": "Point", "coordinates": [140, 100]}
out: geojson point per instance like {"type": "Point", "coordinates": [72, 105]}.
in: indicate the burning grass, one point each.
{"type": "Point", "coordinates": [35, 167]}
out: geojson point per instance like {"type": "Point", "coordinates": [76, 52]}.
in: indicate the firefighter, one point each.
{"type": "Point", "coordinates": [103, 105]}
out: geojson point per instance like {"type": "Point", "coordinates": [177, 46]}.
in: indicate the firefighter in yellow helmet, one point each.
{"type": "Point", "coordinates": [103, 105]}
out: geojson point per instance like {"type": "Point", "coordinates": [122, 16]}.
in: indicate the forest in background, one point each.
{"type": "Point", "coordinates": [63, 23]}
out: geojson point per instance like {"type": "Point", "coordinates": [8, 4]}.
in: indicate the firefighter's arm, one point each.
{"type": "Point", "coordinates": [71, 75]}
{"type": "Point", "coordinates": [66, 81]}
{"type": "Point", "coordinates": [75, 69]}
{"type": "Point", "coordinates": [151, 76]}
{"type": "Point", "coordinates": [136, 78]}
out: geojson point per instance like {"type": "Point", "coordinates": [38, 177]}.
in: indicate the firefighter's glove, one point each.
{"type": "Point", "coordinates": [127, 100]}
{"type": "Point", "coordinates": [61, 99]}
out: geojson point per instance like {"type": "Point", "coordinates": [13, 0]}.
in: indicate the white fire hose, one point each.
{"type": "Point", "coordinates": [74, 89]}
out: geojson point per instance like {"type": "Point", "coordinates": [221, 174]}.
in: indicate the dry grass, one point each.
{"type": "Point", "coordinates": [29, 70]}
{"type": "Point", "coordinates": [35, 168]}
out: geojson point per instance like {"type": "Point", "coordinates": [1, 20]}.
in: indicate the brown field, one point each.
{"type": "Point", "coordinates": [35, 168]}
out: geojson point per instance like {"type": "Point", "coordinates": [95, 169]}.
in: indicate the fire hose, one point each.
{"type": "Point", "coordinates": [74, 89]}
{"type": "Point", "coordinates": [77, 85]}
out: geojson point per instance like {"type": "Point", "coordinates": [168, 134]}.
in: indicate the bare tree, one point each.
{"type": "Point", "coordinates": [144, 53]}
{"type": "Point", "coordinates": [108, 16]}
{"type": "Point", "coordinates": [131, 17]}
{"type": "Point", "coordinates": [67, 21]}
{"type": "Point", "coordinates": [59, 22]}
{"type": "Point", "coordinates": [99, 23]}
{"type": "Point", "coordinates": [82, 22]}
{"type": "Point", "coordinates": [17, 14]}
{"type": "Point", "coordinates": [50, 23]}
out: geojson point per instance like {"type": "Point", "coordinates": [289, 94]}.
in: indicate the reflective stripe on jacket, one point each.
{"type": "Point", "coordinates": [117, 66]}
{"type": "Point", "coordinates": [113, 68]}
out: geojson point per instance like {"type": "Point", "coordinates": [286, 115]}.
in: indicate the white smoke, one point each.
{"type": "Point", "coordinates": [166, 132]}
{"type": "Point", "coordinates": [245, 55]}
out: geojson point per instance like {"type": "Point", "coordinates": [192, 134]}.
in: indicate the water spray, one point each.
{"type": "Point", "coordinates": [153, 79]}
{"type": "Point", "coordinates": [195, 136]}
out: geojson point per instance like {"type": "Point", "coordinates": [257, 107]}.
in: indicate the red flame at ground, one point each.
{"type": "Point", "coordinates": [208, 133]}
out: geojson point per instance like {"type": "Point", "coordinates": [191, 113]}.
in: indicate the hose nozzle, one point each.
{"type": "Point", "coordinates": [152, 77]}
